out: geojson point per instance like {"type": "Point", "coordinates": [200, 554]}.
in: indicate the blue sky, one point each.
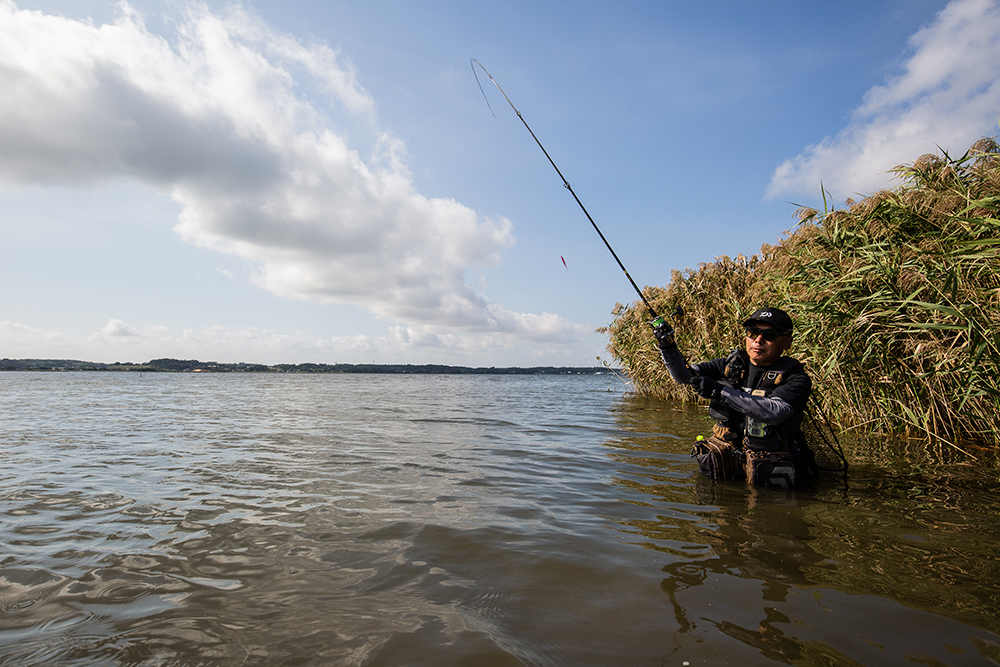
{"type": "Point", "coordinates": [280, 182]}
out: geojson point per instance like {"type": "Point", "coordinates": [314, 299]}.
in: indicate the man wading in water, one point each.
{"type": "Point", "coordinates": [757, 399]}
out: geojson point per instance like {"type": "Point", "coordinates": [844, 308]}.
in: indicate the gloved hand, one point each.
{"type": "Point", "coordinates": [706, 386]}
{"type": "Point", "coordinates": [663, 332]}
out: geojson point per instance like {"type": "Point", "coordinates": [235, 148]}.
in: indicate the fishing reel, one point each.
{"type": "Point", "coordinates": [662, 330]}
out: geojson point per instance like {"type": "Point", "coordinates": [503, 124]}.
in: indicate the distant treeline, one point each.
{"type": "Point", "coordinates": [193, 365]}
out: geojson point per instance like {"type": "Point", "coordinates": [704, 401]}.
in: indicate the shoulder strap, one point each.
{"type": "Point", "coordinates": [779, 372]}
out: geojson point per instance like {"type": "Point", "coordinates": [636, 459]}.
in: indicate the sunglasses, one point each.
{"type": "Point", "coordinates": [770, 335]}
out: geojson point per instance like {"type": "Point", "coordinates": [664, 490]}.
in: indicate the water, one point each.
{"type": "Point", "coordinates": [249, 519]}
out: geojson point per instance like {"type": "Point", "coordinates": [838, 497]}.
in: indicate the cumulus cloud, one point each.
{"type": "Point", "coordinates": [118, 329]}
{"type": "Point", "coordinates": [217, 119]}
{"type": "Point", "coordinates": [948, 95]}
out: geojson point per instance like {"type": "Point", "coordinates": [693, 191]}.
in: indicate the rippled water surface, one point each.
{"type": "Point", "coordinates": [257, 519]}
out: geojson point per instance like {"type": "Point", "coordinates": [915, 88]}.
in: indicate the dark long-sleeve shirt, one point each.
{"type": "Point", "coordinates": [787, 398]}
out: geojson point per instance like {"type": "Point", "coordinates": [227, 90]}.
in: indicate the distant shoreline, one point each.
{"type": "Point", "coordinates": [195, 366]}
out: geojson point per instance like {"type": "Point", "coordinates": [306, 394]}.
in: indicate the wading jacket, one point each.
{"type": "Point", "coordinates": [759, 407]}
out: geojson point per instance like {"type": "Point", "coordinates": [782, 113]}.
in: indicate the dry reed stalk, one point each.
{"type": "Point", "coordinates": [896, 300]}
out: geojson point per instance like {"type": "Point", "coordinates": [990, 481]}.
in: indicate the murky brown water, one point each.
{"type": "Point", "coordinates": [181, 519]}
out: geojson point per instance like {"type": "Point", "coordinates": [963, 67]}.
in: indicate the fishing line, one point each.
{"type": "Point", "coordinates": [472, 64]}
{"type": "Point", "coordinates": [566, 184]}
{"type": "Point", "coordinates": [821, 425]}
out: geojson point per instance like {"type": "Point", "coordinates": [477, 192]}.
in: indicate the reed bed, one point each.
{"type": "Point", "coordinates": [896, 300]}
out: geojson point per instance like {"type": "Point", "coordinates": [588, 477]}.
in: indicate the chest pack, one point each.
{"type": "Point", "coordinates": [743, 430]}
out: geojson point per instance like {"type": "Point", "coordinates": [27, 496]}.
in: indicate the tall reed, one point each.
{"type": "Point", "coordinates": [896, 300]}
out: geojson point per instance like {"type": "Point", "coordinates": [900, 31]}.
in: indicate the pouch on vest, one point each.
{"type": "Point", "coordinates": [760, 436]}
{"type": "Point", "coordinates": [726, 434]}
{"type": "Point", "coordinates": [718, 459]}
{"type": "Point", "coordinates": [772, 443]}
{"type": "Point", "coordinates": [770, 470]}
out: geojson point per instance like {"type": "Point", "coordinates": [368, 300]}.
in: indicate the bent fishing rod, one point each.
{"type": "Point", "coordinates": [657, 320]}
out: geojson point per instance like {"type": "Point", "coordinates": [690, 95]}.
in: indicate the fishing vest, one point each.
{"type": "Point", "coordinates": [736, 427]}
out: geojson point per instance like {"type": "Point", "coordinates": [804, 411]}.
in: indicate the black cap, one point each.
{"type": "Point", "coordinates": [776, 317]}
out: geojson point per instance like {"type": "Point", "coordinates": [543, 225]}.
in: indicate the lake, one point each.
{"type": "Point", "coordinates": [291, 519]}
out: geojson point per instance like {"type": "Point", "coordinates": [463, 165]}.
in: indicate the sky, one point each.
{"type": "Point", "coordinates": [326, 181]}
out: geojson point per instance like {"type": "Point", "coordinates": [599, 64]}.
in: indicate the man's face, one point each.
{"type": "Point", "coordinates": [762, 351]}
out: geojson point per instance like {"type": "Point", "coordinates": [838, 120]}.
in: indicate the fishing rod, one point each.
{"type": "Point", "coordinates": [657, 320]}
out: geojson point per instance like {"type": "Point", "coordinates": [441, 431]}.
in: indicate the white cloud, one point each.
{"type": "Point", "coordinates": [217, 120]}
{"type": "Point", "coordinates": [22, 341]}
{"type": "Point", "coordinates": [118, 329]}
{"type": "Point", "coordinates": [118, 341]}
{"type": "Point", "coordinates": [948, 95]}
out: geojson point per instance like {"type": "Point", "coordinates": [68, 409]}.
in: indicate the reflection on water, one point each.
{"type": "Point", "coordinates": [183, 519]}
{"type": "Point", "coordinates": [889, 566]}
